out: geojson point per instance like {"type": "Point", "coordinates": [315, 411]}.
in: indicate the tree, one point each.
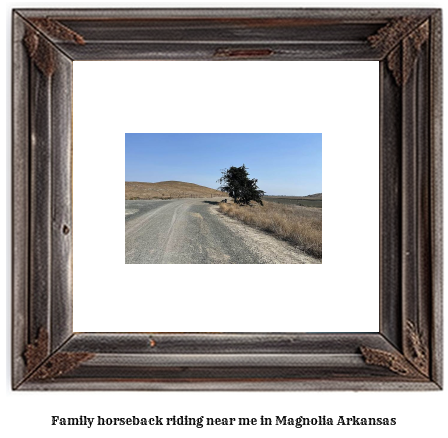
{"type": "Point", "coordinates": [235, 181]}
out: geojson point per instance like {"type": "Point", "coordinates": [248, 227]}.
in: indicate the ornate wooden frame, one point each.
{"type": "Point", "coordinates": [407, 352]}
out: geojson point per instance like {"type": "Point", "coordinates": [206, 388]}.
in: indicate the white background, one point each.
{"type": "Point", "coordinates": [418, 414]}
{"type": "Point", "coordinates": [113, 98]}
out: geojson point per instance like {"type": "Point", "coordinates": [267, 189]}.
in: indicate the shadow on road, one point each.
{"type": "Point", "coordinates": [212, 202]}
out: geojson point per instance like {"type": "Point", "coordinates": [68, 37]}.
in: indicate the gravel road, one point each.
{"type": "Point", "coordinates": [193, 231]}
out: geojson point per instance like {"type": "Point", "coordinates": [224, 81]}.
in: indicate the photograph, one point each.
{"type": "Point", "coordinates": [223, 198]}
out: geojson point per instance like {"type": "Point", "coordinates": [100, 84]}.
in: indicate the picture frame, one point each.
{"type": "Point", "coordinates": [406, 353]}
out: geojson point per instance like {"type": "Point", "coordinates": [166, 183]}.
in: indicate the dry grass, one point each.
{"type": "Point", "coordinates": [168, 190]}
{"type": "Point", "coordinates": [302, 226]}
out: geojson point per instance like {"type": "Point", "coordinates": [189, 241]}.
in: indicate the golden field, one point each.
{"type": "Point", "coordinates": [301, 226]}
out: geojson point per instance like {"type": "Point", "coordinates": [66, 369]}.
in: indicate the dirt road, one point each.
{"type": "Point", "coordinates": [193, 231]}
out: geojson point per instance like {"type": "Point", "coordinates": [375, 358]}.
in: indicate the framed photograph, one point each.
{"type": "Point", "coordinates": [241, 322]}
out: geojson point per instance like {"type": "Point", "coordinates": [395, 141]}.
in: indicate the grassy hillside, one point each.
{"type": "Point", "coordinates": [315, 196]}
{"type": "Point", "coordinates": [167, 190]}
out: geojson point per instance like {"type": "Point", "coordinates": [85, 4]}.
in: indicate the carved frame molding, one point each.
{"type": "Point", "coordinates": [407, 352]}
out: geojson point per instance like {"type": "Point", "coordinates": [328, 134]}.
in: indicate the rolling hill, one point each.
{"type": "Point", "coordinates": [167, 190]}
{"type": "Point", "coordinates": [315, 196]}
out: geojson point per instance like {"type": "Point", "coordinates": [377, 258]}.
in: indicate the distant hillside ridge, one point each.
{"type": "Point", "coordinates": [316, 196]}
{"type": "Point", "coordinates": [167, 190]}
{"type": "Point", "coordinates": [304, 201]}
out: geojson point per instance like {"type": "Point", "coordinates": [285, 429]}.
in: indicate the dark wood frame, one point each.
{"type": "Point", "coordinates": [406, 354]}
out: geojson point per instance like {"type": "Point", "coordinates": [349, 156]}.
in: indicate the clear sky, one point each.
{"type": "Point", "coordinates": [284, 164]}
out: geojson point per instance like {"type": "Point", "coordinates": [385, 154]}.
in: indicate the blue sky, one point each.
{"type": "Point", "coordinates": [284, 164]}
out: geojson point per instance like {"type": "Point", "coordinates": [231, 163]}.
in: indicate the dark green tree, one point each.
{"type": "Point", "coordinates": [236, 182]}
